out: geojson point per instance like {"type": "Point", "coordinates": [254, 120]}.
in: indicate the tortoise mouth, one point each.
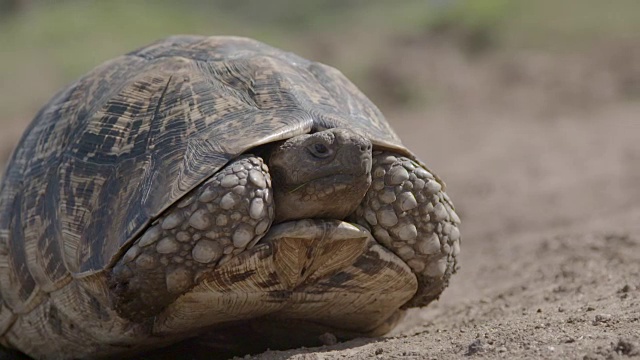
{"type": "Point", "coordinates": [328, 185]}
{"type": "Point", "coordinates": [329, 197]}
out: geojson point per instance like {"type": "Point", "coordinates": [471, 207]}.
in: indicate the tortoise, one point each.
{"type": "Point", "coordinates": [204, 183]}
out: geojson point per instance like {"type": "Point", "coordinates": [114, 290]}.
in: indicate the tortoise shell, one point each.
{"type": "Point", "coordinates": [107, 155]}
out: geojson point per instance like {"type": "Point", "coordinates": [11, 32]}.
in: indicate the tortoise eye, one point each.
{"type": "Point", "coordinates": [319, 150]}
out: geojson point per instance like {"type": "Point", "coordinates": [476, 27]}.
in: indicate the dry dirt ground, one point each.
{"type": "Point", "coordinates": [550, 202]}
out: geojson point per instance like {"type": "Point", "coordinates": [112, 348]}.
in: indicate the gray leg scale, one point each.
{"type": "Point", "coordinates": [221, 218]}
{"type": "Point", "coordinates": [407, 210]}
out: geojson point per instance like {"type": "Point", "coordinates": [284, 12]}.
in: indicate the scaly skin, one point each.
{"type": "Point", "coordinates": [220, 219]}
{"type": "Point", "coordinates": [407, 211]}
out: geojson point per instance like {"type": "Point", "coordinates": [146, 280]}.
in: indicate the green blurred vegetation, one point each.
{"type": "Point", "coordinates": [45, 44]}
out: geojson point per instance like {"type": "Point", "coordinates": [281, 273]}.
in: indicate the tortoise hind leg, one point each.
{"type": "Point", "coordinates": [218, 220]}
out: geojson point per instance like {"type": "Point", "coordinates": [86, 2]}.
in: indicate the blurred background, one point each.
{"type": "Point", "coordinates": [529, 110]}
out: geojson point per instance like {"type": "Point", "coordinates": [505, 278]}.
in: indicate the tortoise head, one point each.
{"type": "Point", "coordinates": [322, 175]}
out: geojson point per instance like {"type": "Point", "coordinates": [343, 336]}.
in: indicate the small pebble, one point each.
{"type": "Point", "coordinates": [602, 318]}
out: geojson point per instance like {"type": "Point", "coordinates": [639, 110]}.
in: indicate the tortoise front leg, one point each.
{"type": "Point", "coordinates": [408, 211]}
{"type": "Point", "coordinates": [216, 221]}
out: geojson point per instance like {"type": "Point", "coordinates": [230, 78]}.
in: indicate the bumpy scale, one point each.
{"type": "Point", "coordinates": [226, 215]}
{"type": "Point", "coordinates": [407, 211]}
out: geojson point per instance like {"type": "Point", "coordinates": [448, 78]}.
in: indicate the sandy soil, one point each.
{"type": "Point", "coordinates": [549, 204]}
